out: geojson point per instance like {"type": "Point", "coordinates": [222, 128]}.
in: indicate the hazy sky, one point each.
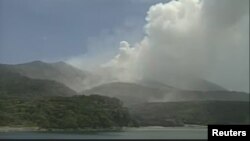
{"type": "Point", "coordinates": [53, 30]}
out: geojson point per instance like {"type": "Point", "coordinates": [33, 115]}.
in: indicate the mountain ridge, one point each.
{"type": "Point", "coordinates": [58, 71]}
{"type": "Point", "coordinates": [132, 93]}
{"type": "Point", "coordinates": [17, 85]}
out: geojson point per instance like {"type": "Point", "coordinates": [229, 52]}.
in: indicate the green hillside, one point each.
{"type": "Point", "coordinates": [77, 112]}
{"type": "Point", "coordinates": [192, 112]}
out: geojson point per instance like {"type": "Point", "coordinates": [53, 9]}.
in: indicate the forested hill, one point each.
{"type": "Point", "coordinates": [77, 112]}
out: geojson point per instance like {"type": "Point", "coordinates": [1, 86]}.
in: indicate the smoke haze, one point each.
{"type": "Point", "coordinates": [187, 40]}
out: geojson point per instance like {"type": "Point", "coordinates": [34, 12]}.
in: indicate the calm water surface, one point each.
{"type": "Point", "coordinates": [128, 133]}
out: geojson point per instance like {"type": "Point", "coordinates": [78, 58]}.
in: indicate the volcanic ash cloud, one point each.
{"type": "Point", "coordinates": [190, 39]}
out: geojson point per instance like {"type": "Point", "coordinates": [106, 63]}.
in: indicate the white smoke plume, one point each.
{"type": "Point", "coordinates": [186, 40]}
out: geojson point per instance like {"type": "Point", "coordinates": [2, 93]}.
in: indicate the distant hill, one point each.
{"type": "Point", "coordinates": [132, 93]}
{"type": "Point", "coordinates": [13, 84]}
{"type": "Point", "coordinates": [192, 112]}
{"type": "Point", "coordinates": [203, 85]}
{"type": "Point", "coordinates": [129, 93]}
{"type": "Point", "coordinates": [80, 80]}
{"type": "Point", "coordinates": [59, 71]}
{"type": "Point", "coordinates": [194, 84]}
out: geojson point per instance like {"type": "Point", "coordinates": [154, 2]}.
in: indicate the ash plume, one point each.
{"type": "Point", "coordinates": [187, 40]}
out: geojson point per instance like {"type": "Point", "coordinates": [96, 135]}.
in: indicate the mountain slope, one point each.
{"type": "Point", "coordinates": [80, 80]}
{"type": "Point", "coordinates": [194, 84]}
{"type": "Point", "coordinates": [60, 72]}
{"type": "Point", "coordinates": [14, 84]}
{"type": "Point", "coordinates": [131, 93]}
{"type": "Point", "coordinates": [200, 85]}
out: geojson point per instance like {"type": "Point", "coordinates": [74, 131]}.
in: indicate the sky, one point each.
{"type": "Point", "coordinates": [174, 42]}
{"type": "Point", "coordinates": [56, 30]}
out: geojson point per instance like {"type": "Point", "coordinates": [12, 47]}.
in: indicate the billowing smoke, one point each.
{"type": "Point", "coordinates": [191, 39]}
{"type": "Point", "coordinates": [187, 40]}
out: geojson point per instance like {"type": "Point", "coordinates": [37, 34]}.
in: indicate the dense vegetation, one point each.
{"type": "Point", "coordinates": [193, 112]}
{"type": "Point", "coordinates": [64, 112]}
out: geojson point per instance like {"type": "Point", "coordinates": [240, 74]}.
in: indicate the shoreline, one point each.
{"type": "Point", "coordinates": [195, 126]}
{"type": "Point", "coordinates": [19, 129]}
{"type": "Point", "coordinates": [37, 129]}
